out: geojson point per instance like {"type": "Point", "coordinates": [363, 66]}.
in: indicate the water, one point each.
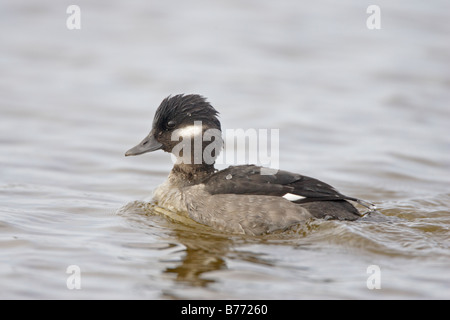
{"type": "Point", "coordinates": [364, 110]}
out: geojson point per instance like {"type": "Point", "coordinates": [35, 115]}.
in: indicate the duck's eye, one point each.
{"type": "Point", "coordinates": [171, 124]}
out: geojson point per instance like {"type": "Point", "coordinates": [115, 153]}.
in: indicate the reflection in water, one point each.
{"type": "Point", "coordinates": [204, 251]}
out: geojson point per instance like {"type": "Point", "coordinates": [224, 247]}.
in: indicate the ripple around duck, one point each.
{"type": "Point", "coordinates": [390, 232]}
{"type": "Point", "coordinates": [377, 233]}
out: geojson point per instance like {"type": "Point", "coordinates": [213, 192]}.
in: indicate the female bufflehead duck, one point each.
{"type": "Point", "coordinates": [244, 199]}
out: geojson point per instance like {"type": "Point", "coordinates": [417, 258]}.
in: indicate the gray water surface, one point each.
{"type": "Point", "coordinates": [364, 110]}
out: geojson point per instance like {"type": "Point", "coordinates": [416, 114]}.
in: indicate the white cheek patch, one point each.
{"type": "Point", "coordinates": [190, 131]}
{"type": "Point", "coordinates": [293, 197]}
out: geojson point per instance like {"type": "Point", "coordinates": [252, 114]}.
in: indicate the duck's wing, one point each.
{"type": "Point", "coordinates": [247, 179]}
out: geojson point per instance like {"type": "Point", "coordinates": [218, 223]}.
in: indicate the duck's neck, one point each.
{"type": "Point", "coordinates": [190, 174]}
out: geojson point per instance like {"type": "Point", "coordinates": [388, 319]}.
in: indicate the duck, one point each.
{"type": "Point", "coordinates": [241, 199]}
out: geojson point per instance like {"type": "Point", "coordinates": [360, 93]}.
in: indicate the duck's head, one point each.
{"type": "Point", "coordinates": [183, 124]}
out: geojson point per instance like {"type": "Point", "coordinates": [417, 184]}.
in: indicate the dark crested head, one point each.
{"type": "Point", "coordinates": [182, 110]}
{"type": "Point", "coordinates": [179, 116]}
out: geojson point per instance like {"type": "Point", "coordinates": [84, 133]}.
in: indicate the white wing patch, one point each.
{"type": "Point", "coordinates": [293, 197]}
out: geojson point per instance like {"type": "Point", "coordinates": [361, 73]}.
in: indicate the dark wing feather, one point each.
{"type": "Point", "coordinates": [247, 179]}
